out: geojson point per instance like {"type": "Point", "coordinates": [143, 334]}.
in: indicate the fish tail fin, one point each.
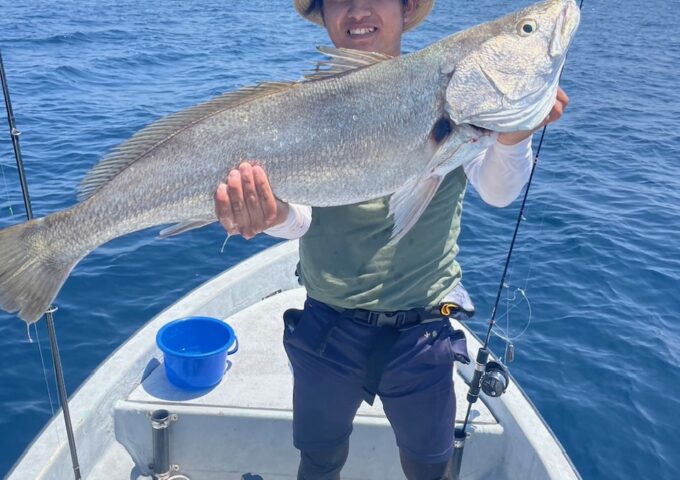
{"type": "Point", "coordinates": [31, 271]}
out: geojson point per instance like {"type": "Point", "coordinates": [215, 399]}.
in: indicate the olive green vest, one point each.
{"type": "Point", "coordinates": [345, 259]}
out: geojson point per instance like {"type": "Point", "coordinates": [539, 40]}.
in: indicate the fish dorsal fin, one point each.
{"type": "Point", "coordinates": [343, 60]}
{"type": "Point", "coordinates": [162, 130]}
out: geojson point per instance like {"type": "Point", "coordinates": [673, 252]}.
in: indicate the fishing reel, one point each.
{"type": "Point", "coordinates": [491, 377]}
{"type": "Point", "coordinates": [495, 379]}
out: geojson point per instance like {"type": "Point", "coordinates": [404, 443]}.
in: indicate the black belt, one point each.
{"type": "Point", "coordinates": [400, 319]}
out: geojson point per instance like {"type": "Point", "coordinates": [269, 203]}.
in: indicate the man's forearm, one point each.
{"type": "Point", "coordinates": [499, 173]}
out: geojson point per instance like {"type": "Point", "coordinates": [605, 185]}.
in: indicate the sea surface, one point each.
{"type": "Point", "coordinates": [597, 257]}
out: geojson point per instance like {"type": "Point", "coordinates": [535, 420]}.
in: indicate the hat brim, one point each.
{"type": "Point", "coordinates": [422, 11]}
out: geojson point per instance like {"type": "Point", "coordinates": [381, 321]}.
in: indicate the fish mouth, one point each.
{"type": "Point", "coordinates": [481, 131]}
{"type": "Point", "coordinates": [478, 135]}
{"type": "Point", "coordinates": [525, 114]}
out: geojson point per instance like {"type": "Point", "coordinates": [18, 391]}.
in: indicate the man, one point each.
{"type": "Point", "coordinates": [365, 329]}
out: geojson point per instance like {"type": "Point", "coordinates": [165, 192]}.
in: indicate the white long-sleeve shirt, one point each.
{"type": "Point", "coordinates": [498, 174]}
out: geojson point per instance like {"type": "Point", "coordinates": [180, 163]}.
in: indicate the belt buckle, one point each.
{"type": "Point", "coordinates": [390, 319]}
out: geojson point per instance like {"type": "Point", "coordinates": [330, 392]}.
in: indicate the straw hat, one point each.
{"type": "Point", "coordinates": [422, 11]}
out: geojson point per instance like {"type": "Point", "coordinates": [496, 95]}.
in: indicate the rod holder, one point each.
{"type": "Point", "coordinates": [458, 446]}
{"type": "Point", "coordinates": [160, 421]}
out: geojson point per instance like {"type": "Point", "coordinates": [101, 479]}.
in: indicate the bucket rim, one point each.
{"type": "Point", "coordinates": [167, 350]}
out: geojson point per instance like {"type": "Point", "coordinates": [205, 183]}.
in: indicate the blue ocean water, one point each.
{"type": "Point", "coordinates": [598, 256]}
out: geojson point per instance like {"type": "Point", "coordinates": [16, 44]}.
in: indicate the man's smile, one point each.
{"type": "Point", "coordinates": [361, 31]}
{"type": "Point", "coordinates": [358, 32]}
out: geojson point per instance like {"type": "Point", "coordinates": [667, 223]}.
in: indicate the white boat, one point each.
{"type": "Point", "coordinates": [244, 425]}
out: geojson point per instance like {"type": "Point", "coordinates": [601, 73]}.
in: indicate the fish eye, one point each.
{"type": "Point", "coordinates": [526, 27]}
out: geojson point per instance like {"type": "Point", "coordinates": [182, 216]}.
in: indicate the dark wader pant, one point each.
{"type": "Point", "coordinates": [332, 355]}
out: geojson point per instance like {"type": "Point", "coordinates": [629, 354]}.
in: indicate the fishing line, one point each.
{"type": "Point", "coordinates": [525, 298]}
{"type": "Point", "coordinates": [42, 361]}
{"type": "Point", "coordinates": [520, 216]}
{"type": "Point", "coordinates": [4, 182]}
{"type": "Point", "coordinates": [47, 383]}
{"type": "Point", "coordinates": [224, 244]}
{"type": "Point", "coordinates": [504, 333]}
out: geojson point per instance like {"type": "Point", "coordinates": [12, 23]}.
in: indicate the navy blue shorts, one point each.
{"type": "Point", "coordinates": [416, 387]}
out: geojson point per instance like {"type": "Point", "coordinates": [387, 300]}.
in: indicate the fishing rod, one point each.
{"type": "Point", "coordinates": [492, 377]}
{"type": "Point", "coordinates": [56, 358]}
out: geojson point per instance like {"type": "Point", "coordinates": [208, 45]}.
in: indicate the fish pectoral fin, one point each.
{"type": "Point", "coordinates": [409, 202]}
{"type": "Point", "coordinates": [185, 227]}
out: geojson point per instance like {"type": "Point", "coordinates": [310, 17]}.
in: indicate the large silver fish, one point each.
{"type": "Point", "coordinates": [363, 127]}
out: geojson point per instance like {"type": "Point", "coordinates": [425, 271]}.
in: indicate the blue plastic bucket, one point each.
{"type": "Point", "coordinates": [195, 351]}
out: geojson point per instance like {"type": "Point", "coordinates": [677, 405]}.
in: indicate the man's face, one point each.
{"type": "Point", "coordinates": [369, 25]}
